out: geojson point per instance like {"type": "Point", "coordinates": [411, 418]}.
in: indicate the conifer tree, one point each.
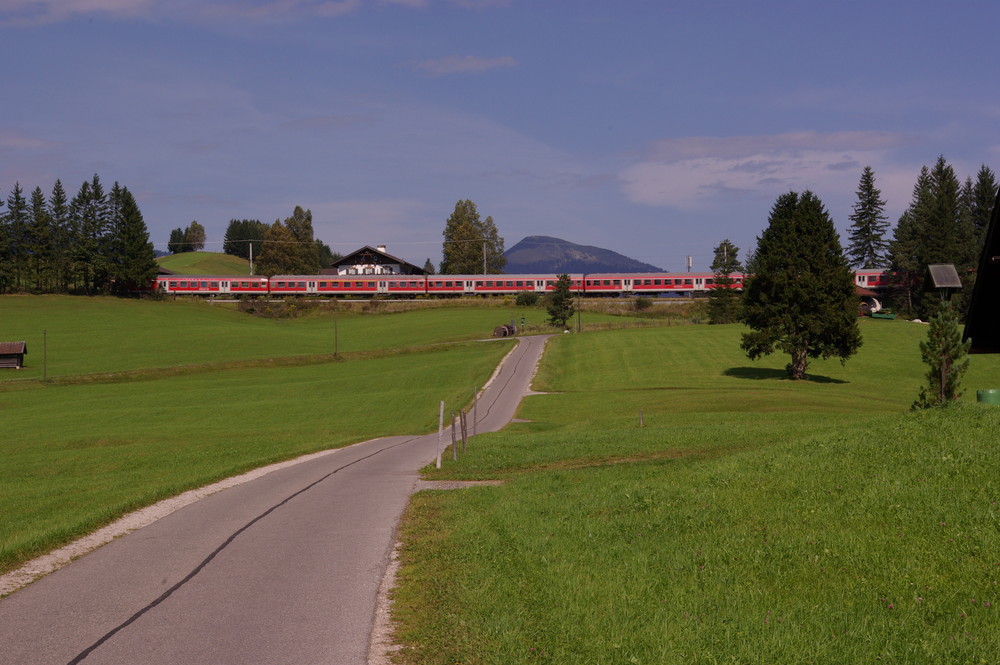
{"type": "Point", "coordinates": [560, 302]}
{"type": "Point", "coordinates": [471, 246]}
{"type": "Point", "coordinates": [945, 354]}
{"type": "Point", "coordinates": [176, 244]}
{"type": "Point", "coordinates": [428, 267]}
{"type": "Point", "coordinates": [724, 299]}
{"type": "Point", "coordinates": [134, 265]}
{"type": "Point", "coordinates": [305, 249]}
{"type": "Point", "coordinates": [6, 263]}
{"type": "Point", "coordinates": [38, 241]}
{"type": "Point", "coordinates": [799, 298]}
{"type": "Point", "coordinates": [868, 244]}
{"type": "Point", "coordinates": [59, 215]}
{"type": "Point", "coordinates": [16, 232]}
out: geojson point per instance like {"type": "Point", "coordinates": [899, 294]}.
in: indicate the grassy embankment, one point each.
{"type": "Point", "coordinates": [752, 519]}
{"type": "Point", "coordinates": [205, 263]}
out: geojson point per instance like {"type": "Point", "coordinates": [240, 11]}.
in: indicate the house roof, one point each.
{"type": "Point", "coordinates": [377, 256]}
{"type": "Point", "coordinates": [7, 348]}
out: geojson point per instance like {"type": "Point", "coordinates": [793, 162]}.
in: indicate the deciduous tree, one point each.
{"type": "Point", "coordinates": [471, 246]}
{"type": "Point", "coordinates": [799, 297]}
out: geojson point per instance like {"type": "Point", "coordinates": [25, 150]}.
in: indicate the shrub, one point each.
{"type": "Point", "coordinates": [526, 299]}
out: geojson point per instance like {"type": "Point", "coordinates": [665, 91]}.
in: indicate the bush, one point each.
{"type": "Point", "coordinates": [526, 299]}
{"type": "Point", "coordinates": [642, 303]}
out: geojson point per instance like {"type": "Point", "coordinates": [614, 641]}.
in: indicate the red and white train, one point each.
{"type": "Point", "coordinates": [610, 284]}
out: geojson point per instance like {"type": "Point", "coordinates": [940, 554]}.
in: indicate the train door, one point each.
{"type": "Point", "coordinates": [626, 286]}
{"type": "Point", "coordinates": [539, 286]}
{"type": "Point", "coordinates": [470, 287]}
{"type": "Point", "coordinates": [383, 286]}
{"type": "Point", "coordinates": [311, 287]}
{"type": "Point", "coordinates": [223, 287]}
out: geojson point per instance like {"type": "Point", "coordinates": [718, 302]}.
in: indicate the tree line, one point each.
{"type": "Point", "coordinates": [95, 243]}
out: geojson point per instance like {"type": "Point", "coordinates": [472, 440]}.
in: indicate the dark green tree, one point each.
{"type": "Point", "coordinates": [906, 258]}
{"type": "Point", "coordinates": [560, 302]}
{"type": "Point", "coordinates": [984, 193]}
{"type": "Point", "coordinates": [471, 246]}
{"type": "Point", "coordinates": [38, 242]}
{"type": "Point", "coordinates": [945, 354]}
{"type": "Point", "coordinates": [17, 235]}
{"type": "Point", "coordinates": [724, 298]}
{"type": "Point", "coordinates": [59, 215]}
{"type": "Point", "coordinates": [176, 244]}
{"type": "Point", "coordinates": [869, 225]}
{"type": "Point", "coordinates": [89, 224]}
{"type": "Point", "coordinates": [6, 257]}
{"type": "Point", "coordinates": [799, 297]}
{"type": "Point", "coordinates": [134, 265]}
{"type": "Point", "coordinates": [243, 236]}
{"type": "Point", "coordinates": [428, 267]}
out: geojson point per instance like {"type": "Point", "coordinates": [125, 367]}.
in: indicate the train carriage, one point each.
{"type": "Point", "coordinates": [211, 284]}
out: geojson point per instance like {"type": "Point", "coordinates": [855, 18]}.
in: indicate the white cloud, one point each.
{"type": "Point", "coordinates": [464, 64]}
{"type": "Point", "coordinates": [697, 172]}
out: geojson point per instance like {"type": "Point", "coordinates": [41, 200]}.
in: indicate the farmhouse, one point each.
{"type": "Point", "coordinates": [12, 354]}
{"type": "Point", "coordinates": [371, 261]}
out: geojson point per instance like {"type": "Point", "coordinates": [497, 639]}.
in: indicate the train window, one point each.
{"type": "Point", "coordinates": [173, 285]}
{"type": "Point", "coordinates": [647, 282]}
{"type": "Point", "coordinates": [657, 282]}
{"type": "Point", "coordinates": [245, 285]}
{"type": "Point", "coordinates": [709, 281]}
{"type": "Point", "coordinates": [359, 285]}
{"type": "Point", "coordinates": [447, 285]}
{"type": "Point", "coordinates": [204, 285]}
{"type": "Point", "coordinates": [392, 285]}
{"type": "Point", "coordinates": [489, 284]}
{"type": "Point", "coordinates": [520, 282]}
{"type": "Point", "coordinates": [688, 282]}
{"type": "Point", "coordinates": [618, 282]}
{"type": "Point", "coordinates": [552, 282]}
{"type": "Point", "coordinates": [371, 285]}
{"type": "Point", "coordinates": [322, 285]}
{"type": "Point", "coordinates": [215, 285]}
{"type": "Point", "coordinates": [301, 285]}
{"type": "Point", "coordinates": [607, 282]}
{"type": "Point", "coordinates": [334, 285]}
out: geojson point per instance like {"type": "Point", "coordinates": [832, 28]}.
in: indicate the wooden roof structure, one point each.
{"type": "Point", "coordinates": [12, 354]}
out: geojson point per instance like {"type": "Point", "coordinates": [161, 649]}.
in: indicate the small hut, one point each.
{"type": "Point", "coordinates": [12, 354]}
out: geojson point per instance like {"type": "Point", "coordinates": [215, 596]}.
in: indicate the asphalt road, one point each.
{"type": "Point", "coordinates": [283, 569]}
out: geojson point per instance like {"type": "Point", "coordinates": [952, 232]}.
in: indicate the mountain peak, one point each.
{"type": "Point", "coordinates": [548, 255]}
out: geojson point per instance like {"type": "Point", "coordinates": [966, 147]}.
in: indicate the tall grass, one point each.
{"type": "Point", "coordinates": [752, 520]}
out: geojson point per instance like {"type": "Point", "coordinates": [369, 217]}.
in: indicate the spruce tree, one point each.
{"type": "Point", "coordinates": [38, 241]}
{"type": "Point", "coordinates": [800, 297]}
{"type": "Point", "coordinates": [17, 232]}
{"type": "Point", "coordinates": [135, 261]}
{"type": "Point", "coordinates": [868, 244]}
{"type": "Point", "coordinates": [471, 246]}
{"type": "Point", "coordinates": [59, 215]}
{"type": "Point", "coordinates": [305, 250]}
{"type": "Point", "coordinates": [945, 354]}
{"type": "Point", "coordinates": [560, 302]}
{"type": "Point", "coordinates": [724, 299]}
{"type": "Point", "coordinates": [278, 255]}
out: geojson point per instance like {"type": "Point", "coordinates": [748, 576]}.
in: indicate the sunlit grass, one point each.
{"type": "Point", "coordinates": [752, 519]}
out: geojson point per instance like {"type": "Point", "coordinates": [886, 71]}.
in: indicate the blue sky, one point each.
{"type": "Point", "coordinates": [652, 128]}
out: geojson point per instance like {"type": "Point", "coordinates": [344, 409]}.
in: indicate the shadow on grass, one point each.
{"type": "Point", "coordinates": [764, 373]}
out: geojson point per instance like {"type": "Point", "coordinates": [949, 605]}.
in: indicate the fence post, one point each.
{"type": "Point", "coordinates": [465, 433]}
{"type": "Point", "coordinates": [475, 409]}
{"type": "Point", "coordinates": [440, 433]}
{"type": "Point", "coordinates": [454, 446]}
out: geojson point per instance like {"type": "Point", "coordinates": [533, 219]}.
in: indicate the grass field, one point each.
{"type": "Point", "coordinates": [204, 263]}
{"type": "Point", "coordinates": [751, 520]}
{"type": "Point", "coordinates": [201, 394]}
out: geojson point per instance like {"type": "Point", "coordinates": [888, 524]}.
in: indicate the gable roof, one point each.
{"type": "Point", "coordinates": [7, 348]}
{"type": "Point", "coordinates": [369, 254]}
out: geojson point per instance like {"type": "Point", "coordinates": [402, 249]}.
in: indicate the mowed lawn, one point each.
{"type": "Point", "coordinates": [70, 336]}
{"type": "Point", "coordinates": [78, 453]}
{"type": "Point", "coordinates": [750, 520]}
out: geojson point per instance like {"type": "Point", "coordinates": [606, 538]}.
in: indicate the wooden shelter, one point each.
{"type": "Point", "coordinates": [12, 354]}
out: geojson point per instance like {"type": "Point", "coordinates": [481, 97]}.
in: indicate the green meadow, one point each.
{"type": "Point", "coordinates": [145, 400]}
{"type": "Point", "coordinates": [744, 519]}
{"type": "Point", "coordinates": [204, 263]}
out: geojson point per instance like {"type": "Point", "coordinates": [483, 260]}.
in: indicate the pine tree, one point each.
{"type": "Point", "coordinates": [244, 237]}
{"type": "Point", "coordinates": [38, 241]}
{"type": "Point", "coordinates": [471, 246]}
{"type": "Point", "coordinates": [560, 302]}
{"type": "Point", "coordinates": [868, 244]}
{"type": "Point", "coordinates": [176, 244]}
{"type": "Point", "coordinates": [6, 261]}
{"type": "Point", "coordinates": [134, 267]}
{"type": "Point", "coordinates": [984, 194]}
{"type": "Point", "coordinates": [906, 250]}
{"type": "Point", "coordinates": [16, 232]}
{"type": "Point", "coordinates": [724, 299]}
{"type": "Point", "coordinates": [945, 354]}
{"type": "Point", "coordinates": [59, 215]}
{"type": "Point", "coordinates": [428, 267]}
{"type": "Point", "coordinates": [800, 297]}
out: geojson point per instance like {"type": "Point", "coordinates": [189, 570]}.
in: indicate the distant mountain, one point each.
{"type": "Point", "coordinates": [543, 254]}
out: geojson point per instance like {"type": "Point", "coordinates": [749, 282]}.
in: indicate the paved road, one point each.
{"type": "Point", "coordinates": [283, 569]}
